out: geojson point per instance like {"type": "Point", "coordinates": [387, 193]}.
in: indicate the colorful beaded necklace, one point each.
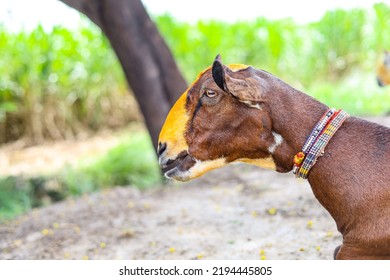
{"type": "Point", "coordinates": [316, 142]}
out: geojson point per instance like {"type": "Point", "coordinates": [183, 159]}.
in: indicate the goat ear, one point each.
{"type": "Point", "coordinates": [218, 72]}
{"type": "Point", "coordinates": [246, 89]}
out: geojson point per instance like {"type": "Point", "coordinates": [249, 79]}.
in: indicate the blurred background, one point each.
{"type": "Point", "coordinates": [70, 122]}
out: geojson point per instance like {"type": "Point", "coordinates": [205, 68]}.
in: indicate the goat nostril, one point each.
{"type": "Point", "coordinates": [161, 148]}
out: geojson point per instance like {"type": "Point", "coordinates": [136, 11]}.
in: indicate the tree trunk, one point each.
{"type": "Point", "coordinates": [147, 62]}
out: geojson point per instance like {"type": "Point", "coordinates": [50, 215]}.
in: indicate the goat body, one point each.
{"type": "Point", "coordinates": [239, 113]}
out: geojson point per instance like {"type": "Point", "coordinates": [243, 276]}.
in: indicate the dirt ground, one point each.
{"type": "Point", "coordinates": [237, 212]}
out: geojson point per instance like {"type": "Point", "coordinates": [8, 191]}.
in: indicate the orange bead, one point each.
{"type": "Point", "coordinates": [298, 158]}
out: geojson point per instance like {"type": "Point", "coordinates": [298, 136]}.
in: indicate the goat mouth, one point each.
{"type": "Point", "coordinates": [175, 168]}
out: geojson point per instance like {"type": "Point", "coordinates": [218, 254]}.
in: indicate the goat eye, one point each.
{"type": "Point", "coordinates": [210, 93]}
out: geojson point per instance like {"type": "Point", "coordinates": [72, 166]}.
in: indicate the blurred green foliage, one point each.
{"type": "Point", "coordinates": [132, 162]}
{"type": "Point", "coordinates": [14, 198]}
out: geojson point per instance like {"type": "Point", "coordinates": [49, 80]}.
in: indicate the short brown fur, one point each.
{"type": "Point", "coordinates": [351, 180]}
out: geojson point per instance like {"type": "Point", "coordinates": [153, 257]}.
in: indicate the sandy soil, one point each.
{"type": "Point", "coordinates": [238, 212]}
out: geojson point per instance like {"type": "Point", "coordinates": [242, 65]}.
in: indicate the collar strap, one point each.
{"type": "Point", "coordinates": [315, 144]}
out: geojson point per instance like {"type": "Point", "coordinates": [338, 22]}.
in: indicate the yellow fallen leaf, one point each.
{"type": "Point", "coordinates": [262, 252]}
{"type": "Point", "coordinates": [329, 234]}
{"type": "Point", "coordinates": [103, 245]}
{"type": "Point", "coordinates": [318, 248]}
{"type": "Point", "coordinates": [263, 258]}
{"type": "Point", "coordinates": [310, 224]}
{"type": "Point", "coordinates": [171, 250]}
{"type": "Point", "coordinates": [272, 211]}
{"type": "Point", "coordinates": [147, 206]}
{"type": "Point", "coordinates": [45, 231]}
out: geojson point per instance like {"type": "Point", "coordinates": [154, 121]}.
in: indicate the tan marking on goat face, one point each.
{"type": "Point", "coordinates": [173, 130]}
{"type": "Point", "coordinates": [208, 128]}
{"type": "Point", "coordinates": [267, 163]}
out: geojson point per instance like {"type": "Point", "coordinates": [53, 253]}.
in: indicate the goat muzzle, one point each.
{"type": "Point", "coordinates": [175, 168]}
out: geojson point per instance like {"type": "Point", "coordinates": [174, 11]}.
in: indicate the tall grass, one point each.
{"type": "Point", "coordinates": [52, 85]}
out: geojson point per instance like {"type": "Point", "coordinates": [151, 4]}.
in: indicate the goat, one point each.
{"type": "Point", "coordinates": [383, 70]}
{"type": "Point", "coordinates": [236, 113]}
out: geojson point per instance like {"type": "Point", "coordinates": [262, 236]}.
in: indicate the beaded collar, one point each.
{"type": "Point", "coordinates": [316, 142]}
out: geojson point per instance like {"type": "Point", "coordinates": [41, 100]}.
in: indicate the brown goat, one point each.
{"type": "Point", "coordinates": [238, 113]}
{"type": "Point", "coordinates": [383, 70]}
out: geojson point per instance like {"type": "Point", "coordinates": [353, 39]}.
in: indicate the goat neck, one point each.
{"type": "Point", "coordinates": [349, 176]}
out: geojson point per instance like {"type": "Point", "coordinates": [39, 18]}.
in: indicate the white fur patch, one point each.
{"type": "Point", "coordinates": [251, 104]}
{"type": "Point", "coordinates": [202, 167]}
{"type": "Point", "coordinates": [278, 139]}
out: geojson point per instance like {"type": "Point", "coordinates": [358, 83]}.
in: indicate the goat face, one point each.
{"type": "Point", "coordinates": [218, 120]}
{"type": "Point", "coordinates": [383, 70]}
